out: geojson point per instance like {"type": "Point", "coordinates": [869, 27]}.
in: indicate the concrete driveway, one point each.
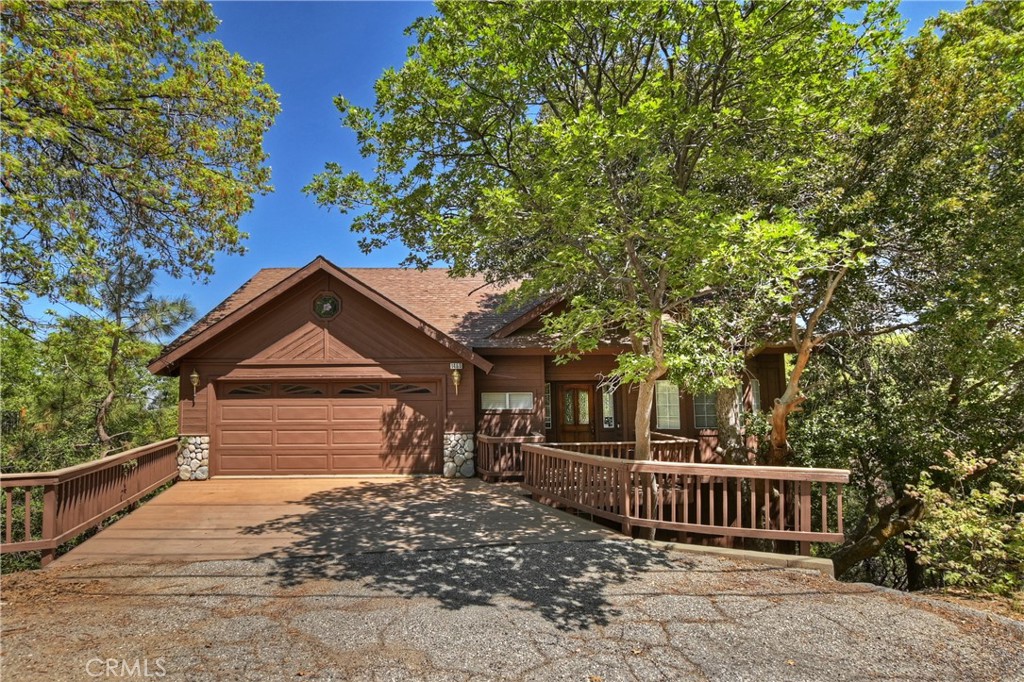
{"type": "Point", "coordinates": [451, 580]}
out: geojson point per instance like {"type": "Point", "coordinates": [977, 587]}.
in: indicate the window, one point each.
{"type": "Point", "coordinates": [608, 409]}
{"type": "Point", "coordinates": [408, 389]}
{"type": "Point", "coordinates": [506, 401]}
{"type": "Point", "coordinates": [359, 389]}
{"type": "Point", "coordinates": [704, 416]}
{"type": "Point", "coordinates": [667, 402]}
{"type": "Point", "coordinates": [301, 389]}
{"type": "Point", "coordinates": [547, 406]}
{"type": "Point", "coordinates": [249, 390]}
{"type": "Point", "coordinates": [755, 395]}
{"type": "Point", "coordinates": [326, 306]}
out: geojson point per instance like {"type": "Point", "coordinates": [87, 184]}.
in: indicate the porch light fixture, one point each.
{"type": "Point", "coordinates": [194, 378]}
{"type": "Point", "coordinates": [456, 368]}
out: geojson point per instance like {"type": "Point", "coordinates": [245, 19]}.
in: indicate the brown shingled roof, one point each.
{"type": "Point", "coordinates": [465, 309]}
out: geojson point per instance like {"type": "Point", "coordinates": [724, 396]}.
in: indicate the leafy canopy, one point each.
{"type": "Point", "coordinates": [122, 127]}
{"type": "Point", "coordinates": [643, 161]}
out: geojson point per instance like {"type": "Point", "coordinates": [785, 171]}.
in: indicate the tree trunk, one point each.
{"type": "Point", "coordinates": [108, 400]}
{"type": "Point", "coordinates": [892, 519]}
{"type": "Point", "coordinates": [786, 405]}
{"type": "Point", "coordinates": [915, 571]}
{"type": "Point", "coordinates": [645, 402]}
{"type": "Point", "coordinates": [642, 424]}
{"type": "Point", "coordinates": [101, 417]}
{"type": "Point", "coordinates": [804, 342]}
{"type": "Point", "coordinates": [729, 415]}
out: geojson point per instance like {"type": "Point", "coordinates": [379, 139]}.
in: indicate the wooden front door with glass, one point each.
{"type": "Point", "coordinates": [576, 413]}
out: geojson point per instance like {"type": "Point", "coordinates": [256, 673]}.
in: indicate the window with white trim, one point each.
{"type": "Point", "coordinates": [608, 409]}
{"type": "Point", "coordinates": [755, 395]}
{"type": "Point", "coordinates": [666, 400]}
{"type": "Point", "coordinates": [512, 400]}
{"type": "Point", "coordinates": [704, 413]}
{"type": "Point", "coordinates": [547, 406]}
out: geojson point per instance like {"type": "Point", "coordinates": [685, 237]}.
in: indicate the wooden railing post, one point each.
{"type": "Point", "coordinates": [626, 493]}
{"type": "Point", "coordinates": [804, 516]}
{"type": "Point", "coordinates": [50, 530]}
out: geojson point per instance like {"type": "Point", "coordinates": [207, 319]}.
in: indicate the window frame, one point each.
{"type": "Point", "coordinates": [660, 402]}
{"type": "Point", "coordinates": [702, 418]}
{"type": "Point", "coordinates": [549, 408]}
{"type": "Point", "coordinates": [507, 401]}
{"type": "Point", "coordinates": [608, 409]}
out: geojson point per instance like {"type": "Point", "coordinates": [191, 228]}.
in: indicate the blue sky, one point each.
{"type": "Point", "coordinates": [313, 51]}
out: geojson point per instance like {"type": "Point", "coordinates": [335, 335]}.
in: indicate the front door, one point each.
{"type": "Point", "coordinates": [576, 413]}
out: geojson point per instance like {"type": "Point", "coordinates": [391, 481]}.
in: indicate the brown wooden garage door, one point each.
{"type": "Point", "coordinates": [367, 427]}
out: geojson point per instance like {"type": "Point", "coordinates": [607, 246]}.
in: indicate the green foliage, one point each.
{"type": "Point", "coordinates": [913, 422]}
{"type": "Point", "coordinates": [643, 161]}
{"type": "Point", "coordinates": [972, 533]}
{"type": "Point", "coordinates": [123, 128]}
{"type": "Point", "coordinates": [52, 389]}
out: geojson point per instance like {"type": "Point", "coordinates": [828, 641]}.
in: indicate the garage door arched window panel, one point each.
{"type": "Point", "coordinates": [363, 390]}
{"type": "Point", "coordinates": [248, 390]}
{"type": "Point", "coordinates": [302, 389]}
{"type": "Point", "coordinates": [397, 388]}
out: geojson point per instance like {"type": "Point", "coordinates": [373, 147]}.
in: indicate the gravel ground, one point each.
{"type": "Point", "coordinates": [592, 611]}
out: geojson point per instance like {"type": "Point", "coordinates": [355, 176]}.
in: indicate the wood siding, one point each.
{"type": "Point", "coordinates": [512, 373]}
{"type": "Point", "coordinates": [286, 341]}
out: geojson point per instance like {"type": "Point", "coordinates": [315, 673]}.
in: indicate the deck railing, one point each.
{"type": "Point", "coordinates": [776, 503]}
{"type": "Point", "coordinates": [55, 506]}
{"type": "Point", "coordinates": [676, 449]}
{"type": "Point", "coordinates": [499, 458]}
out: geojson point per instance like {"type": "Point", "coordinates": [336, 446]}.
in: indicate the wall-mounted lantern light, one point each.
{"type": "Point", "coordinates": [194, 378]}
{"type": "Point", "coordinates": [456, 375]}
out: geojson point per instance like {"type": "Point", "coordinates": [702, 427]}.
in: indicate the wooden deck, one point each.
{"type": "Point", "coordinates": [225, 519]}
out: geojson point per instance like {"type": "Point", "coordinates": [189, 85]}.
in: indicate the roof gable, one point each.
{"type": "Point", "coordinates": [268, 285]}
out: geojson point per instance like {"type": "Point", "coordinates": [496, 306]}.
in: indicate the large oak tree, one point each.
{"type": "Point", "coordinates": [639, 160]}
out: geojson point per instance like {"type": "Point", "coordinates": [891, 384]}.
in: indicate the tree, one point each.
{"type": "Point", "coordinates": [938, 192]}
{"type": "Point", "coordinates": [132, 314]}
{"type": "Point", "coordinates": [53, 386]}
{"type": "Point", "coordinates": [123, 127]}
{"type": "Point", "coordinates": [627, 158]}
{"type": "Point", "coordinates": [934, 189]}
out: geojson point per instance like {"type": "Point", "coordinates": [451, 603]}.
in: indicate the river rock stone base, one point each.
{"type": "Point", "coordinates": [194, 458]}
{"type": "Point", "coordinates": [459, 454]}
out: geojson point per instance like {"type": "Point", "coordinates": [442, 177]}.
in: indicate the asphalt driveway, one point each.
{"type": "Point", "coordinates": [428, 579]}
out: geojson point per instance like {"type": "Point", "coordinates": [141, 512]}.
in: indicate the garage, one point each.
{"type": "Point", "coordinates": [318, 428]}
{"type": "Point", "coordinates": [312, 371]}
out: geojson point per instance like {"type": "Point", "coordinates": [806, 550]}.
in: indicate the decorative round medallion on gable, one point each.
{"type": "Point", "coordinates": [326, 306]}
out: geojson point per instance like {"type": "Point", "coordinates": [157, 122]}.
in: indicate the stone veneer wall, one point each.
{"type": "Point", "coordinates": [194, 458]}
{"type": "Point", "coordinates": [459, 455]}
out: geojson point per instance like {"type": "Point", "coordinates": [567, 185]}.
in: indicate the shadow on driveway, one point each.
{"type": "Point", "coordinates": [462, 543]}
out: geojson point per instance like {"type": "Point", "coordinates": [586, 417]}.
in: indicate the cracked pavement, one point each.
{"type": "Point", "coordinates": [561, 606]}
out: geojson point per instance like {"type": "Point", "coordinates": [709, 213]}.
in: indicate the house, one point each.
{"type": "Point", "coordinates": [328, 370]}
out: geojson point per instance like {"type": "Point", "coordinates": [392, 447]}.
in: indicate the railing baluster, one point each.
{"type": "Point", "coordinates": [686, 498]}
{"type": "Point", "coordinates": [824, 508]}
{"type": "Point", "coordinates": [755, 484]}
{"type": "Point", "coordinates": [9, 494]}
{"type": "Point", "coordinates": [675, 493]}
{"type": "Point", "coordinates": [700, 498]}
{"type": "Point", "coordinates": [28, 514]}
{"type": "Point", "coordinates": [839, 506]}
{"type": "Point", "coordinates": [739, 501]}
{"type": "Point", "coordinates": [725, 502]}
